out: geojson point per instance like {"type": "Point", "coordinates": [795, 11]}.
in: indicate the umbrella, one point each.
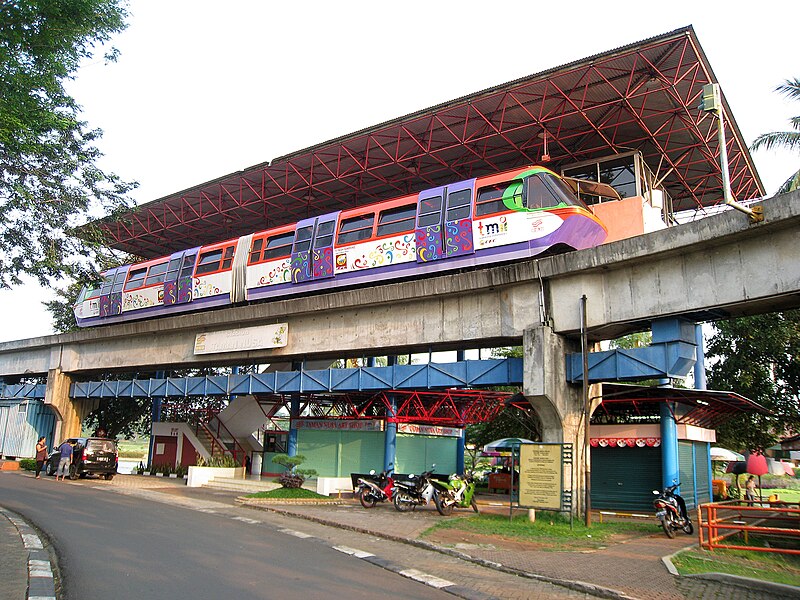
{"type": "Point", "coordinates": [725, 455]}
{"type": "Point", "coordinates": [737, 468]}
{"type": "Point", "coordinates": [757, 464]}
{"type": "Point", "coordinates": [505, 444]}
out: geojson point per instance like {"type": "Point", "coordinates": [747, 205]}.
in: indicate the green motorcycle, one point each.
{"type": "Point", "coordinates": [458, 491]}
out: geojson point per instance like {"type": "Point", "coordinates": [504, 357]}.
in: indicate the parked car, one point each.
{"type": "Point", "coordinates": [90, 456]}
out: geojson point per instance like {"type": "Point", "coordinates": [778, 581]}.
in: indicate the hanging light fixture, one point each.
{"type": "Point", "coordinates": [545, 154]}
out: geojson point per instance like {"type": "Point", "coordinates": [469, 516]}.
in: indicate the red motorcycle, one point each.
{"type": "Point", "coordinates": [374, 489]}
{"type": "Point", "coordinates": [671, 511]}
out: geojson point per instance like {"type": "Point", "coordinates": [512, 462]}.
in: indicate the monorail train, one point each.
{"type": "Point", "coordinates": [488, 220]}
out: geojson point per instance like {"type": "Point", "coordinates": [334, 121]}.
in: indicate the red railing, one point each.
{"type": "Point", "coordinates": [719, 521]}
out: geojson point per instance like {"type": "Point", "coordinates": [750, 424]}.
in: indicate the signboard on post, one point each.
{"type": "Point", "coordinates": [541, 476]}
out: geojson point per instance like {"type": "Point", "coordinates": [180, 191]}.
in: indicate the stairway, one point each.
{"type": "Point", "coordinates": [246, 486]}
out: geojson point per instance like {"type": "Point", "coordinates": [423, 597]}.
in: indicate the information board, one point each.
{"type": "Point", "coordinates": [541, 475]}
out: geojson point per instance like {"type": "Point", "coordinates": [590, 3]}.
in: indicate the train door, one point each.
{"type": "Point", "coordinates": [444, 222]}
{"type": "Point", "coordinates": [312, 253]}
{"type": "Point", "coordinates": [178, 281]}
{"type": "Point", "coordinates": [111, 292]}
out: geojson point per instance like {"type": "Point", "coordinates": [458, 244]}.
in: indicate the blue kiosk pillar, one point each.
{"type": "Point", "coordinates": [390, 438]}
{"type": "Point", "coordinates": [462, 441]}
{"type": "Point", "coordinates": [670, 472]}
{"type": "Point", "coordinates": [294, 413]}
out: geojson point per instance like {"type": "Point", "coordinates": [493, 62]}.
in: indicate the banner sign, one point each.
{"type": "Point", "coordinates": [239, 340]}
{"type": "Point", "coordinates": [339, 424]}
{"type": "Point", "coordinates": [541, 476]}
{"type": "Point", "coordinates": [429, 430]}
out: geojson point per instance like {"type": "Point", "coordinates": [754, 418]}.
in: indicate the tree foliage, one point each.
{"type": "Point", "coordinates": [50, 180]}
{"type": "Point", "coordinates": [759, 358]}
{"type": "Point", "coordinates": [784, 139]}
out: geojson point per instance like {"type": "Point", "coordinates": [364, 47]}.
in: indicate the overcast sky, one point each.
{"type": "Point", "coordinates": [205, 88]}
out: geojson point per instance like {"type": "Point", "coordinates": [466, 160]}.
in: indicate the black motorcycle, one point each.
{"type": "Point", "coordinates": [671, 511]}
{"type": "Point", "coordinates": [410, 493]}
{"type": "Point", "coordinates": [375, 488]}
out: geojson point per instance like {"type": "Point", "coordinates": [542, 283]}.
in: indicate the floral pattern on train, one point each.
{"type": "Point", "coordinates": [385, 252]}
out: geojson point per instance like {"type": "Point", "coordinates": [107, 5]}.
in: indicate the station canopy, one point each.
{"type": "Point", "coordinates": [625, 403]}
{"type": "Point", "coordinates": [642, 97]}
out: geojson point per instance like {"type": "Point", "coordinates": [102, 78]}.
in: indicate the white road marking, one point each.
{"type": "Point", "coordinates": [246, 520]}
{"type": "Point", "coordinates": [297, 534]}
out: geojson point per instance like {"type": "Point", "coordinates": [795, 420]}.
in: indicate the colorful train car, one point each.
{"type": "Point", "coordinates": [488, 220]}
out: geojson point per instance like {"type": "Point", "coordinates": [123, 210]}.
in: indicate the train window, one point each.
{"type": "Point", "coordinates": [156, 274]}
{"type": "Point", "coordinates": [188, 264]}
{"type": "Point", "coordinates": [539, 195]}
{"type": "Point", "coordinates": [135, 278]}
{"type": "Point", "coordinates": [172, 268]}
{"type": "Point", "coordinates": [490, 198]}
{"type": "Point", "coordinates": [397, 220]}
{"type": "Point", "coordinates": [458, 205]}
{"type": "Point", "coordinates": [324, 234]}
{"type": "Point", "coordinates": [119, 280]}
{"type": "Point", "coordinates": [279, 246]}
{"type": "Point", "coordinates": [356, 229]}
{"type": "Point", "coordinates": [226, 263]}
{"type": "Point", "coordinates": [90, 293]}
{"type": "Point", "coordinates": [430, 210]}
{"type": "Point", "coordinates": [255, 251]}
{"type": "Point", "coordinates": [209, 262]}
{"type": "Point", "coordinates": [303, 240]}
{"type": "Point", "coordinates": [108, 283]}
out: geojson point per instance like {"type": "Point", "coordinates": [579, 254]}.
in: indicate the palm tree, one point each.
{"type": "Point", "coordinates": [784, 139]}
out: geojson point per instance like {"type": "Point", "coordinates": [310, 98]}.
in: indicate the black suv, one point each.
{"type": "Point", "coordinates": [90, 456]}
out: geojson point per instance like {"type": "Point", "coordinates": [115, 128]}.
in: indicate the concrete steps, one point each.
{"type": "Point", "coordinates": [248, 486]}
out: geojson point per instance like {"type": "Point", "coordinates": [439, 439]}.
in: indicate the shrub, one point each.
{"type": "Point", "coordinates": [28, 464]}
{"type": "Point", "coordinates": [292, 477]}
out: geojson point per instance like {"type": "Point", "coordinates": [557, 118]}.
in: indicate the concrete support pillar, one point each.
{"type": "Point", "coordinates": [294, 413]}
{"type": "Point", "coordinates": [670, 472]}
{"type": "Point", "coordinates": [558, 404]}
{"type": "Point", "coordinates": [69, 413]}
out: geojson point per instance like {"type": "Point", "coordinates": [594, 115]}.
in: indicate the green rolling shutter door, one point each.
{"type": "Point", "coordinates": [701, 460]}
{"type": "Point", "coordinates": [686, 469]}
{"type": "Point", "coordinates": [339, 453]}
{"type": "Point", "coordinates": [416, 453]}
{"type": "Point", "coordinates": [623, 479]}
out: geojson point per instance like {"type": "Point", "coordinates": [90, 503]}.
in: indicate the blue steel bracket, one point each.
{"type": "Point", "coordinates": [657, 361]}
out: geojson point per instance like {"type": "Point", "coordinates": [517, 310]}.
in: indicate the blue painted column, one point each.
{"type": "Point", "coordinates": [390, 437]}
{"type": "Point", "coordinates": [294, 413]}
{"type": "Point", "coordinates": [700, 382]}
{"type": "Point", "coordinates": [670, 470]}
{"type": "Point", "coordinates": [155, 417]}
{"type": "Point", "coordinates": [460, 451]}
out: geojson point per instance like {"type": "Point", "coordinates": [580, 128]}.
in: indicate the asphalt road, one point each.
{"type": "Point", "coordinates": [126, 547]}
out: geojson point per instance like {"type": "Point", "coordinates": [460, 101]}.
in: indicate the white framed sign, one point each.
{"type": "Point", "coordinates": [240, 340]}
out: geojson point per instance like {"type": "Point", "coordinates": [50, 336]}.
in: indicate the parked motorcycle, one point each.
{"type": "Point", "coordinates": [374, 489]}
{"type": "Point", "coordinates": [458, 490]}
{"type": "Point", "coordinates": [416, 490]}
{"type": "Point", "coordinates": [671, 511]}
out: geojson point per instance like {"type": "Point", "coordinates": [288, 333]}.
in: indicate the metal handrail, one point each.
{"type": "Point", "coordinates": [724, 519]}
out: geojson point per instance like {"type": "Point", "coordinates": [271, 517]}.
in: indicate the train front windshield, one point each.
{"type": "Point", "coordinates": [548, 191]}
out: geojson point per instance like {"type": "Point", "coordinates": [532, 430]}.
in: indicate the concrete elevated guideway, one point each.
{"type": "Point", "coordinates": [712, 268]}
{"type": "Point", "coordinates": [719, 266]}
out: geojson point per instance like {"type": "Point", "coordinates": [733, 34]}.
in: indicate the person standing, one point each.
{"type": "Point", "coordinates": [750, 489]}
{"type": "Point", "coordinates": [65, 450]}
{"type": "Point", "coordinates": [41, 455]}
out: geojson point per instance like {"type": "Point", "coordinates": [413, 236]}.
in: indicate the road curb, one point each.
{"type": "Point", "coordinates": [41, 571]}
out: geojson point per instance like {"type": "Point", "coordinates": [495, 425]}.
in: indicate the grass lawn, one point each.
{"type": "Point", "coordinates": [550, 531]}
{"type": "Point", "coordinates": [287, 493]}
{"type": "Point", "coordinates": [133, 448]}
{"type": "Point", "coordinates": [767, 566]}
